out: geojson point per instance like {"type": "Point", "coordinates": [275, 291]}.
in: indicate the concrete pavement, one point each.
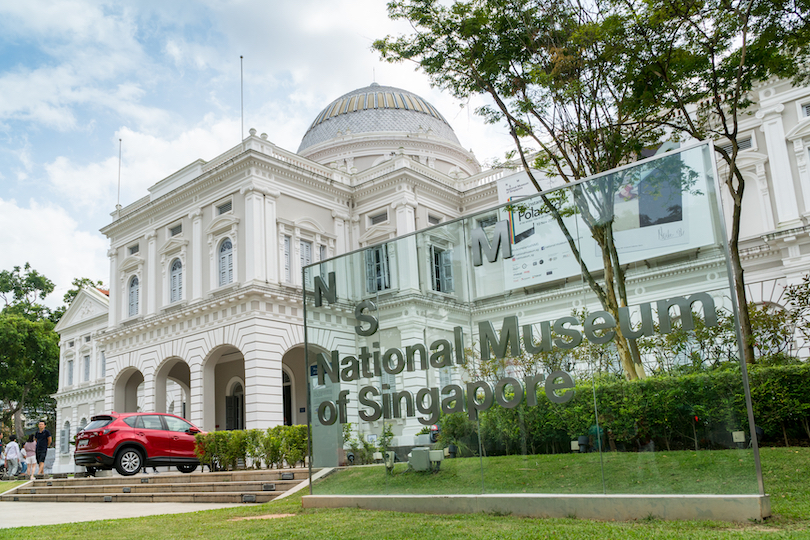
{"type": "Point", "coordinates": [25, 514]}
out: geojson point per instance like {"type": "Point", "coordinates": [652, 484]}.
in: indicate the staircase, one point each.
{"type": "Point", "coordinates": [219, 487]}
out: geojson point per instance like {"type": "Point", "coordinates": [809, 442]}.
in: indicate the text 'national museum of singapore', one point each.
{"type": "Point", "coordinates": [499, 323]}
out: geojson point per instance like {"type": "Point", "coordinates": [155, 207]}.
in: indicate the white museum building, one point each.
{"type": "Point", "coordinates": [204, 313]}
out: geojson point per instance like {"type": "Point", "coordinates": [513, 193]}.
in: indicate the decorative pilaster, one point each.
{"type": "Point", "coordinates": [784, 193]}
{"type": "Point", "coordinates": [196, 254]}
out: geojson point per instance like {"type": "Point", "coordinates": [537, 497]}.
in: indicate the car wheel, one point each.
{"type": "Point", "coordinates": [187, 468]}
{"type": "Point", "coordinates": [128, 462]}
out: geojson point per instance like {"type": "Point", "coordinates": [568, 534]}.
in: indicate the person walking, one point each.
{"type": "Point", "coordinates": [44, 440]}
{"type": "Point", "coordinates": [30, 449]}
{"type": "Point", "coordinates": [13, 456]}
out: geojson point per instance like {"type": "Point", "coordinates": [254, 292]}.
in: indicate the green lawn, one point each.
{"type": "Point", "coordinates": [785, 472]}
{"type": "Point", "coordinates": [7, 485]}
{"type": "Point", "coordinates": [726, 471]}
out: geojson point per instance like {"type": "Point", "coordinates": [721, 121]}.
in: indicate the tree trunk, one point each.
{"type": "Point", "coordinates": [18, 425]}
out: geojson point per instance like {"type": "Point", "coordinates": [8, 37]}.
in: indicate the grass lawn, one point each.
{"type": "Point", "coordinates": [7, 485]}
{"type": "Point", "coordinates": [726, 471]}
{"type": "Point", "coordinates": [786, 480]}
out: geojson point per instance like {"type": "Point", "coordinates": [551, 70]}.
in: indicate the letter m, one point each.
{"type": "Point", "coordinates": [509, 337]}
{"type": "Point", "coordinates": [501, 243]}
{"type": "Point", "coordinates": [685, 308]}
{"type": "Point", "coordinates": [321, 290]}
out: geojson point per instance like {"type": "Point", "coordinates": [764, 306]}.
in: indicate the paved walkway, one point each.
{"type": "Point", "coordinates": [22, 514]}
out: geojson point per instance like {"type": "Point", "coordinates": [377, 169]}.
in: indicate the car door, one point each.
{"type": "Point", "coordinates": [182, 437]}
{"type": "Point", "coordinates": [157, 440]}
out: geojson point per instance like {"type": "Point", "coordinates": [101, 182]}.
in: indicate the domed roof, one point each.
{"type": "Point", "coordinates": [377, 108]}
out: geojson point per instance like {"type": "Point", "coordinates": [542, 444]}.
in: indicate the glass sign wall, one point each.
{"type": "Point", "coordinates": [581, 340]}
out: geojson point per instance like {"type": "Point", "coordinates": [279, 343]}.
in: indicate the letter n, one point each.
{"type": "Point", "coordinates": [481, 242]}
{"type": "Point", "coordinates": [322, 290]}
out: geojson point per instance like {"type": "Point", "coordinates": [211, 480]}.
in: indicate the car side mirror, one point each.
{"type": "Point", "coordinates": [192, 431]}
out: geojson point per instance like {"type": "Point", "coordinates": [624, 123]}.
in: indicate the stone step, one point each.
{"type": "Point", "coordinates": [224, 497]}
{"type": "Point", "coordinates": [225, 487]}
{"type": "Point", "coordinates": [259, 486]}
{"type": "Point", "coordinates": [179, 478]}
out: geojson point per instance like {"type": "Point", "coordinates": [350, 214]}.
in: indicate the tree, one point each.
{"type": "Point", "coordinates": [29, 364]}
{"type": "Point", "coordinates": [695, 63]}
{"type": "Point", "coordinates": [22, 290]}
{"type": "Point", "coordinates": [548, 69]}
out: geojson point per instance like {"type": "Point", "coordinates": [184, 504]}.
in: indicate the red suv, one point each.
{"type": "Point", "coordinates": [131, 441]}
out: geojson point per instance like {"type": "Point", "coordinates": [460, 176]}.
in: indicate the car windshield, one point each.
{"type": "Point", "coordinates": [98, 423]}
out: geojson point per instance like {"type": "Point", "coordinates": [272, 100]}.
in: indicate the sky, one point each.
{"type": "Point", "coordinates": [164, 77]}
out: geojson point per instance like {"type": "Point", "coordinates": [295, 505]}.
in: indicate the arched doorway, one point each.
{"type": "Point", "coordinates": [235, 406]}
{"type": "Point", "coordinates": [173, 387]}
{"type": "Point", "coordinates": [128, 391]}
{"type": "Point", "coordinates": [222, 370]}
{"type": "Point", "coordinates": [295, 371]}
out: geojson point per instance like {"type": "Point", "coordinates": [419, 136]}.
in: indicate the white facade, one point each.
{"type": "Point", "coordinates": [205, 270]}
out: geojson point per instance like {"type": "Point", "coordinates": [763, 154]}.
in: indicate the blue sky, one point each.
{"type": "Point", "coordinates": [76, 76]}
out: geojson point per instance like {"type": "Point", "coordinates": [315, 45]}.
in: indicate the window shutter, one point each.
{"type": "Point", "coordinates": [287, 269]}
{"type": "Point", "coordinates": [86, 368]}
{"type": "Point", "coordinates": [226, 262]}
{"type": "Point", "coordinates": [434, 269]}
{"type": "Point", "coordinates": [446, 262]}
{"type": "Point", "coordinates": [371, 282]}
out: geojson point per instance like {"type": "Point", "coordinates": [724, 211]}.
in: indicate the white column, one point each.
{"type": "Point", "coordinates": [151, 274]}
{"type": "Point", "coordinates": [264, 403]}
{"type": "Point", "coordinates": [340, 229]}
{"type": "Point", "coordinates": [255, 257]}
{"type": "Point", "coordinates": [800, 150]}
{"type": "Point", "coordinates": [112, 318]}
{"type": "Point", "coordinates": [784, 193]}
{"type": "Point", "coordinates": [271, 236]}
{"type": "Point", "coordinates": [354, 240]}
{"type": "Point", "coordinates": [764, 198]}
{"type": "Point", "coordinates": [196, 254]}
{"type": "Point", "coordinates": [405, 216]}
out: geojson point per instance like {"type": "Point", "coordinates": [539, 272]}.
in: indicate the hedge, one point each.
{"type": "Point", "coordinates": [277, 446]}
{"type": "Point", "coordinates": [693, 411]}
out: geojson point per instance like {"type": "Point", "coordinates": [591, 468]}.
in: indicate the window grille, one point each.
{"type": "Point", "coordinates": [487, 221]}
{"type": "Point", "coordinates": [224, 208]}
{"type": "Point", "coordinates": [433, 220]}
{"type": "Point", "coordinates": [379, 218]}
{"type": "Point", "coordinates": [177, 229]}
{"type": "Point", "coordinates": [743, 144]}
{"type": "Point", "coordinates": [86, 368]}
{"type": "Point", "coordinates": [134, 249]}
{"type": "Point", "coordinates": [69, 380]}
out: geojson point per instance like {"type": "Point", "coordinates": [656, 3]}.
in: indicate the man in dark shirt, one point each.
{"type": "Point", "coordinates": [43, 438]}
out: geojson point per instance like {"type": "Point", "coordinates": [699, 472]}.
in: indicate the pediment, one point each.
{"type": "Point", "coordinates": [309, 224]}
{"type": "Point", "coordinates": [173, 244]}
{"type": "Point", "coordinates": [380, 232]}
{"type": "Point", "coordinates": [800, 130]}
{"type": "Point", "coordinates": [744, 160]}
{"type": "Point", "coordinates": [223, 222]}
{"type": "Point", "coordinates": [87, 305]}
{"type": "Point", "coordinates": [131, 262]}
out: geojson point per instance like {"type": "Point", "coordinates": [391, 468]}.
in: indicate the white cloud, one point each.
{"type": "Point", "coordinates": [147, 159]}
{"type": "Point", "coordinates": [49, 238]}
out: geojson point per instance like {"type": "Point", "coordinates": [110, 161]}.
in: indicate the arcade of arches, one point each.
{"type": "Point", "coordinates": [220, 382]}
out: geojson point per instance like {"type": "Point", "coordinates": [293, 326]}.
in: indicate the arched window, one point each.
{"type": "Point", "coordinates": [286, 385]}
{"type": "Point", "coordinates": [65, 442]}
{"type": "Point", "coordinates": [225, 262]}
{"type": "Point", "coordinates": [176, 281]}
{"type": "Point", "coordinates": [134, 290]}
